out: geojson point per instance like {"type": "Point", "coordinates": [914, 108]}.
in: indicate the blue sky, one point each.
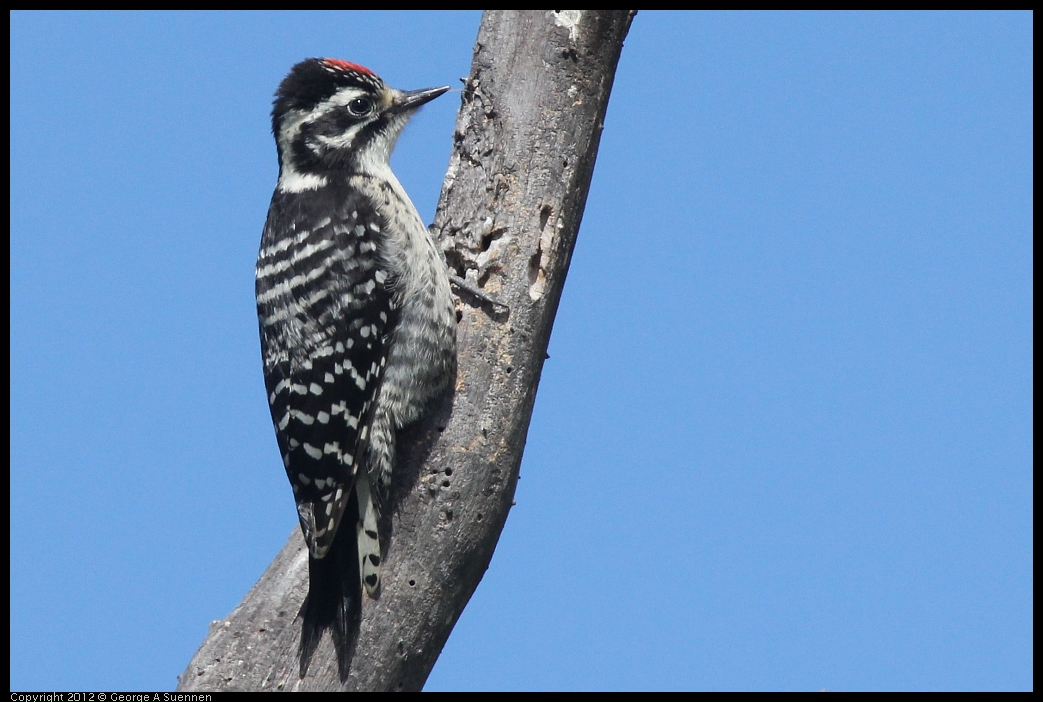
{"type": "Point", "coordinates": [783, 439]}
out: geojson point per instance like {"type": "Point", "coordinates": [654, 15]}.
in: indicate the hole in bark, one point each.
{"type": "Point", "coordinates": [412, 583]}
{"type": "Point", "coordinates": [455, 261]}
{"type": "Point", "coordinates": [534, 267]}
{"type": "Point", "coordinates": [449, 515]}
{"type": "Point", "coordinates": [490, 237]}
{"type": "Point", "coordinates": [445, 483]}
{"type": "Point", "coordinates": [545, 212]}
{"type": "Point", "coordinates": [448, 471]}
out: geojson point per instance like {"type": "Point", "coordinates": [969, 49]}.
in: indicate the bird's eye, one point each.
{"type": "Point", "coordinates": [360, 107]}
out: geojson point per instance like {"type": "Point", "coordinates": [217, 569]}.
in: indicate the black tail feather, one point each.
{"type": "Point", "coordinates": [334, 596]}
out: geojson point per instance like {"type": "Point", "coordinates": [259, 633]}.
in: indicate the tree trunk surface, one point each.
{"type": "Point", "coordinates": [525, 143]}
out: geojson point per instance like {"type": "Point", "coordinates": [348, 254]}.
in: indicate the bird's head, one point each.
{"type": "Point", "coordinates": [332, 116]}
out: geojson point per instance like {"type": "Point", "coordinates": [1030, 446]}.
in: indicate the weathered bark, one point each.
{"type": "Point", "coordinates": [525, 143]}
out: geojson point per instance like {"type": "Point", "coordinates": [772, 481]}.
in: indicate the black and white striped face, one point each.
{"type": "Point", "coordinates": [331, 117]}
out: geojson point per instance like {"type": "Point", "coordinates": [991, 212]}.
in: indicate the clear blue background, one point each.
{"type": "Point", "coordinates": [784, 437]}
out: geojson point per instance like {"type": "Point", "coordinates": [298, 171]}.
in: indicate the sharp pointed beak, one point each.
{"type": "Point", "coordinates": [415, 98]}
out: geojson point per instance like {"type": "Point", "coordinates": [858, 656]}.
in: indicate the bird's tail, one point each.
{"type": "Point", "coordinates": [334, 596]}
{"type": "Point", "coordinates": [368, 536]}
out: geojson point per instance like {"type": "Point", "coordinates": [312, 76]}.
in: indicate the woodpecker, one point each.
{"type": "Point", "coordinates": [357, 323]}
